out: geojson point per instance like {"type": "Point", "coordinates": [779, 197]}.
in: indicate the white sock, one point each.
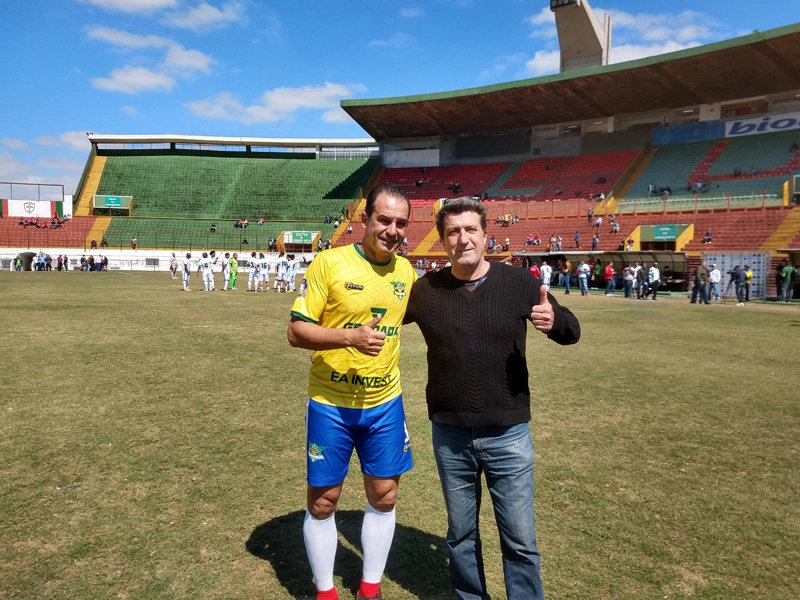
{"type": "Point", "coordinates": [321, 541]}
{"type": "Point", "coordinates": [377, 533]}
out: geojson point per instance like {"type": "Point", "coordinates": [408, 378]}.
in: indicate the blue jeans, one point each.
{"type": "Point", "coordinates": [610, 285]}
{"type": "Point", "coordinates": [505, 456]}
{"type": "Point", "coordinates": [629, 288]}
{"type": "Point", "coordinates": [584, 283]}
{"type": "Point", "coordinates": [567, 281]}
{"type": "Point", "coordinates": [699, 292]}
{"type": "Point", "coordinates": [787, 291]}
{"type": "Point", "coordinates": [713, 291]}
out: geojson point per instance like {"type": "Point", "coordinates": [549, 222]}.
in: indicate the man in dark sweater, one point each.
{"type": "Point", "coordinates": [474, 318]}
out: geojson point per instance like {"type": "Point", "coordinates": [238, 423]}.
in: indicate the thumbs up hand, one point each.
{"type": "Point", "coordinates": [368, 340]}
{"type": "Point", "coordinates": [542, 315]}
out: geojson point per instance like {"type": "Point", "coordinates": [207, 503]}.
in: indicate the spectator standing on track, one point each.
{"type": "Point", "coordinates": [609, 275]}
{"type": "Point", "coordinates": [714, 278]}
{"type": "Point", "coordinates": [787, 281]}
{"type": "Point", "coordinates": [583, 277]}
{"type": "Point", "coordinates": [699, 290]}
{"type": "Point", "coordinates": [653, 280]}
{"type": "Point", "coordinates": [748, 277]}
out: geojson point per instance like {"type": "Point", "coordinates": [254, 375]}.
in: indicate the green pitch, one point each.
{"type": "Point", "coordinates": [152, 447]}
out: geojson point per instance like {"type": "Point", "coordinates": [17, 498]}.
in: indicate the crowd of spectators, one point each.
{"type": "Point", "coordinates": [39, 223]}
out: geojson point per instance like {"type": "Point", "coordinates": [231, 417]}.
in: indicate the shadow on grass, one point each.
{"type": "Point", "coordinates": [417, 562]}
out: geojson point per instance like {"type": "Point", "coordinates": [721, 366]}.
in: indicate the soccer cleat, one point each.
{"type": "Point", "coordinates": [377, 596]}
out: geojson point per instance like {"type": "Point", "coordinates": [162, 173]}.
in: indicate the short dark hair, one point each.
{"type": "Point", "coordinates": [456, 206]}
{"type": "Point", "coordinates": [390, 189]}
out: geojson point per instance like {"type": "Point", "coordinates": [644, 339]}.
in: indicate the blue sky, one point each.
{"type": "Point", "coordinates": [279, 68]}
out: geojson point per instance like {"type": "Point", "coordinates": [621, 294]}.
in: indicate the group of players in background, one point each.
{"type": "Point", "coordinates": [259, 269]}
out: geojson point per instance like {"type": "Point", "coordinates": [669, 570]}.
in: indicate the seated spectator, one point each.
{"type": "Point", "coordinates": [326, 220]}
{"type": "Point", "coordinates": [104, 242]}
{"type": "Point", "coordinates": [537, 240]}
{"type": "Point", "coordinates": [667, 190]}
{"type": "Point", "coordinates": [93, 245]}
{"type": "Point", "coordinates": [213, 228]}
{"type": "Point", "coordinates": [615, 228]}
{"type": "Point", "coordinates": [629, 245]}
{"type": "Point", "coordinates": [794, 147]}
{"type": "Point", "coordinates": [708, 237]}
{"type": "Point", "coordinates": [529, 240]}
{"type": "Point", "coordinates": [261, 221]}
{"type": "Point", "coordinates": [244, 223]}
{"type": "Point", "coordinates": [612, 218]}
{"type": "Point", "coordinates": [689, 186]}
{"type": "Point", "coordinates": [598, 222]}
{"type": "Point", "coordinates": [751, 171]}
{"type": "Point", "coordinates": [737, 172]}
{"type": "Point", "coordinates": [601, 180]}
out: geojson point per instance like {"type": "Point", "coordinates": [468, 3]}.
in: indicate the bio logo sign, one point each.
{"type": "Point", "coordinates": [756, 125]}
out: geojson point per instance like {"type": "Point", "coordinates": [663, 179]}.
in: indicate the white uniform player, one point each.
{"type": "Point", "coordinates": [546, 274]}
{"type": "Point", "coordinates": [214, 260]}
{"type": "Point", "coordinates": [173, 266]}
{"type": "Point", "coordinates": [226, 271]}
{"type": "Point", "coordinates": [205, 268]}
{"type": "Point", "coordinates": [186, 272]}
{"type": "Point", "coordinates": [263, 270]}
{"type": "Point", "coordinates": [252, 267]}
{"type": "Point", "coordinates": [281, 277]}
{"type": "Point", "coordinates": [291, 273]}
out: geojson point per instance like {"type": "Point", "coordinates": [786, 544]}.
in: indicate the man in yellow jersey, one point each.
{"type": "Point", "coordinates": [349, 311]}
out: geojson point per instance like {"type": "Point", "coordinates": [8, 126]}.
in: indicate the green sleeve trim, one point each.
{"type": "Point", "coordinates": [303, 317]}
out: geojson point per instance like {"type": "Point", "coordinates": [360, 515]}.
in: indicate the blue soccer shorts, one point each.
{"type": "Point", "coordinates": [379, 435]}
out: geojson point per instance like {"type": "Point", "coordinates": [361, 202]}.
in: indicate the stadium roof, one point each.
{"type": "Point", "coordinates": [99, 138]}
{"type": "Point", "coordinates": [754, 65]}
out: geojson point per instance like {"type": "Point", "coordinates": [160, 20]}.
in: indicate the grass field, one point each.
{"type": "Point", "coordinates": [151, 446]}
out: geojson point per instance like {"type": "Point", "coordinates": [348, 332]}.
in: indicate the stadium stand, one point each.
{"type": "Point", "coordinates": [218, 187]}
{"type": "Point", "coordinates": [566, 177]}
{"type": "Point", "coordinates": [438, 182]}
{"type": "Point", "coordinates": [713, 163]}
{"type": "Point", "coordinates": [196, 233]}
{"type": "Point", "coordinates": [71, 234]}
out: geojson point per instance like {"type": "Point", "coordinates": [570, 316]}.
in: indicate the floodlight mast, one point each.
{"type": "Point", "coordinates": [584, 42]}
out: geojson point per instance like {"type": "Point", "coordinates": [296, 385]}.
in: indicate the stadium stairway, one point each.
{"type": "Point", "coordinates": [626, 181]}
{"type": "Point", "coordinates": [85, 207]}
{"type": "Point", "coordinates": [428, 242]}
{"type": "Point", "coordinates": [98, 231]}
{"type": "Point", "coordinates": [786, 233]}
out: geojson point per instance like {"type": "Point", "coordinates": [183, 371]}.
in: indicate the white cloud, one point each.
{"type": "Point", "coordinates": [14, 143]}
{"type": "Point", "coordinates": [57, 163]}
{"type": "Point", "coordinates": [628, 52]}
{"type": "Point", "coordinates": [12, 169]}
{"type": "Point", "coordinates": [543, 63]}
{"type": "Point", "coordinates": [398, 40]}
{"type": "Point", "coordinates": [76, 140]}
{"type": "Point", "coordinates": [184, 62]}
{"type": "Point", "coordinates": [127, 40]}
{"type": "Point", "coordinates": [543, 17]}
{"type": "Point", "coordinates": [279, 104]}
{"type": "Point", "coordinates": [132, 80]}
{"type": "Point", "coordinates": [48, 140]}
{"type": "Point", "coordinates": [133, 6]}
{"type": "Point", "coordinates": [18, 171]}
{"type": "Point", "coordinates": [501, 65]}
{"type": "Point", "coordinates": [411, 13]}
{"type": "Point", "coordinates": [131, 111]}
{"type": "Point", "coordinates": [687, 26]}
{"type": "Point", "coordinates": [205, 16]}
{"type": "Point", "coordinates": [336, 115]}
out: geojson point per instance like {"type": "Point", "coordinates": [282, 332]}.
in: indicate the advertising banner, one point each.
{"type": "Point", "coordinates": [30, 208]}
{"type": "Point", "coordinates": [763, 124]}
{"type": "Point", "coordinates": [299, 237]}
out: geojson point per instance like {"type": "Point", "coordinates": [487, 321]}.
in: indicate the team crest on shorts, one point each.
{"type": "Point", "coordinates": [315, 452]}
{"type": "Point", "coordinates": [303, 288]}
{"type": "Point", "coordinates": [399, 289]}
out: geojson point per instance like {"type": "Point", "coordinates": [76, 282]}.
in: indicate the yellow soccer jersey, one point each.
{"type": "Point", "coordinates": [342, 289]}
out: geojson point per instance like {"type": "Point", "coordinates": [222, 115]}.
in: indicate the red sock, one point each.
{"type": "Point", "coordinates": [369, 589]}
{"type": "Point", "coordinates": [330, 594]}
